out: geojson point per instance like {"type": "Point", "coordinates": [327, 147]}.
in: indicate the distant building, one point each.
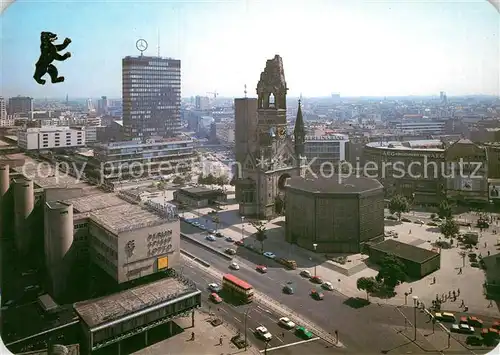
{"type": "Point", "coordinates": [134, 159]}
{"type": "Point", "coordinates": [324, 153]}
{"type": "Point", "coordinates": [20, 105]}
{"type": "Point", "coordinates": [245, 122]}
{"type": "Point", "coordinates": [337, 216]}
{"type": "Point", "coordinates": [50, 138]}
{"type": "Point", "coordinates": [202, 103]}
{"type": "Point", "coordinates": [411, 125]}
{"type": "Point", "coordinates": [102, 106]}
{"type": "Point", "coordinates": [151, 97]}
{"type": "Point", "coordinates": [3, 109]}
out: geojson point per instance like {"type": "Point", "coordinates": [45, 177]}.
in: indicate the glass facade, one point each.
{"type": "Point", "coordinates": [151, 88]}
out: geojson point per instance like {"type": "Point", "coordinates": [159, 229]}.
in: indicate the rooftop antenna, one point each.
{"type": "Point", "coordinates": [245, 90]}
{"type": "Point", "coordinates": [158, 42]}
{"type": "Point", "coordinates": [300, 98]}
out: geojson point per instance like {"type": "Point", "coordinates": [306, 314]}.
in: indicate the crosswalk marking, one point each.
{"type": "Point", "coordinates": [287, 345]}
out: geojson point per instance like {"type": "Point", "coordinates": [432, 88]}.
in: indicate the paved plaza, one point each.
{"type": "Point", "coordinates": [448, 278]}
{"type": "Point", "coordinates": [207, 340]}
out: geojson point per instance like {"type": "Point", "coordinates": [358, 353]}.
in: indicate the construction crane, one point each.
{"type": "Point", "coordinates": [215, 93]}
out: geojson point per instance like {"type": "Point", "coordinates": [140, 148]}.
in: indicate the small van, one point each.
{"type": "Point", "coordinates": [445, 317]}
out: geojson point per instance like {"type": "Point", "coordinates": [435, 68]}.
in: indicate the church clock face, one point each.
{"type": "Point", "coordinates": [282, 132]}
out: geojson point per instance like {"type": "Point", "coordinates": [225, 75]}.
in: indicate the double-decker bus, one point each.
{"type": "Point", "coordinates": [237, 289]}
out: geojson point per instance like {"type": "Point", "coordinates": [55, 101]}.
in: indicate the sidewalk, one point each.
{"type": "Point", "coordinates": [206, 340]}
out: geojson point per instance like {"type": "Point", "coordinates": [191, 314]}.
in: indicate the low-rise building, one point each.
{"type": "Point", "coordinates": [324, 153]}
{"type": "Point", "coordinates": [418, 261]}
{"type": "Point", "coordinates": [200, 196]}
{"type": "Point", "coordinates": [50, 138]}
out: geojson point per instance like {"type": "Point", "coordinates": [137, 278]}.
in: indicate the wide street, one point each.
{"type": "Point", "coordinates": [361, 329]}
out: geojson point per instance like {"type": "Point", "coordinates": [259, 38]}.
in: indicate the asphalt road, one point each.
{"type": "Point", "coordinates": [283, 339]}
{"type": "Point", "coordinates": [361, 329]}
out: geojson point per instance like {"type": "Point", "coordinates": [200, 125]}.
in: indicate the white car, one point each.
{"type": "Point", "coordinates": [462, 328]}
{"type": "Point", "coordinates": [234, 266]}
{"type": "Point", "coordinates": [210, 238]}
{"type": "Point", "coordinates": [327, 285]}
{"type": "Point", "coordinates": [286, 322]}
{"type": "Point", "coordinates": [214, 287]}
{"type": "Point", "coordinates": [263, 333]}
{"type": "Point", "coordinates": [269, 255]}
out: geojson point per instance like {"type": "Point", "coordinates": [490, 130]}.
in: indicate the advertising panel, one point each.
{"type": "Point", "coordinates": [163, 263]}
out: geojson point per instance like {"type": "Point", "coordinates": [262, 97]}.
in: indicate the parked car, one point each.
{"type": "Point", "coordinates": [229, 251]}
{"type": "Point", "coordinates": [392, 218]}
{"type": "Point", "coordinates": [261, 268]}
{"type": "Point", "coordinates": [472, 321]}
{"type": "Point", "coordinates": [286, 323]}
{"type": "Point", "coordinates": [462, 328]}
{"type": "Point", "coordinates": [316, 280]}
{"type": "Point", "coordinates": [239, 243]}
{"type": "Point", "coordinates": [474, 340]}
{"type": "Point", "coordinates": [445, 317]}
{"type": "Point", "coordinates": [303, 333]}
{"type": "Point", "coordinates": [305, 273]}
{"type": "Point", "coordinates": [210, 238]}
{"type": "Point", "coordinates": [404, 219]}
{"type": "Point", "coordinates": [215, 298]}
{"type": "Point", "coordinates": [327, 285]}
{"type": "Point", "coordinates": [229, 239]}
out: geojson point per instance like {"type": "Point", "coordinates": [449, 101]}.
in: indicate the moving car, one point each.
{"type": "Point", "coordinates": [327, 285]}
{"type": "Point", "coordinates": [305, 273]}
{"type": "Point", "coordinates": [219, 235]}
{"type": "Point", "coordinates": [215, 298]}
{"type": "Point", "coordinates": [211, 231]}
{"type": "Point", "coordinates": [472, 321]}
{"type": "Point", "coordinates": [318, 296]}
{"type": "Point", "coordinates": [210, 238]}
{"type": "Point", "coordinates": [316, 280]}
{"type": "Point", "coordinates": [229, 251]}
{"type": "Point", "coordinates": [214, 287]}
{"type": "Point", "coordinates": [261, 269]}
{"type": "Point", "coordinates": [445, 317]}
{"type": "Point", "coordinates": [288, 289]}
{"type": "Point", "coordinates": [462, 328]}
{"type": "Point", "coordinates": [239, 243]}
{"type": "Point", "coordinates": [286, 323]}
{"type": "Point", "coordinates": [229, 239]}
{"type": "Point", "coordinates": [234, 266]}
{"type": "Point", "coordinates": [269, 255]}
{"type": "Point", "coordinates": [303, 332]}
{"type": "Point", "coordinates": [263, 333]}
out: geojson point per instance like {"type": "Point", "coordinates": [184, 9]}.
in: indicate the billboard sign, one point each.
{"type": "Point", "coordinates": [162, 262]}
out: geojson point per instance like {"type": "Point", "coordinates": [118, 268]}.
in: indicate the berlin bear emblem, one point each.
{"type": "Point", "coordinates": [49, 53]}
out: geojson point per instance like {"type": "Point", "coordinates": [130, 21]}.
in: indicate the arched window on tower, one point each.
{"type": "Point", "coordinates": [271, 100]}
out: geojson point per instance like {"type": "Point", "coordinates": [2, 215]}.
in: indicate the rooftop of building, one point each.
{"type": "Point", "coordinates": [49, 129]}
{"type": "Point", "coordinates": [73, 349]}
{"type": "Point", "coordinates": [114, 307]}
{"type": "Point", "coordinates": [149, 142]}
{"type": "Point", "coordinates": [125, 217]}
{"type": "Point", "coordinates": [43, 174]}
{"type": "Point", "coordinates": [434, 145]}
{"type": "Point", "coordinates": [336, 184]}
{"type": "Point", "coordinates": [95, 202]}
{"type": "Point", "coordinates": [327, 137]}
{"type": "Point", "coordinates": [200, 191]}
{"type": "Point", "coordinates": [404, 251]}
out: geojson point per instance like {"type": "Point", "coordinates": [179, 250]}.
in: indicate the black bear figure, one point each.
{"type": "Point", "coordinates": [48, 54]}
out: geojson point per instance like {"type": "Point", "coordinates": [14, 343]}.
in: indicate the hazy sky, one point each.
{"type": "Point", "coordinates": [353, 48]}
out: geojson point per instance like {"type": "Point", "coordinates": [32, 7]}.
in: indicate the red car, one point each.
{"type": "Point", "coordinates": [316, 280]}
{"type": "Point", "coordinates": [472, 321]}
{"type": "Point", "coordinates": [496, 325]}
{"type": "Point", "coordinates": [318, 296]}
{"type": "Point", "coordinates": [238, 242]}
{"type": "Point", "coordinates": [261, 269]}
{"type": "Point", "coordinates": [215, 298]}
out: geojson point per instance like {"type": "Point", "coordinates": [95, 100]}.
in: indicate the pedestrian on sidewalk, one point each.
{"type": "Point", "coordinates": [460, 271]}
{"type": "Point", "coordinates": [220, 340]}
{"type": "Point", "coordinates": [434, 280]}
{"type": "Point", "coordinates": [462, 304]}
{"type": "Point", "coordinates": [192, 336]}
{"type": "Point", "coordinates": [454, 294]}
{"type": "Point", "coordinates": [449, 294]}
{"type": "Point", "coordinates": [458, 292]}
{"type": "Point", "coordinates": [490, 304]}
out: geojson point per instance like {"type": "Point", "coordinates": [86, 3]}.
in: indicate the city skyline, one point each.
{"type": "Point", "coordinates": [376, 49]}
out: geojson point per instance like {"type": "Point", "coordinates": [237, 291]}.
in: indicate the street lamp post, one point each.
{"type": "Point", "coordinates": [315, 246]}
{"type": "Point", "coordinates": [415, 300]}
{"type": "Point", "coordinates": [245, 325]}
{"type": "Point", "coordinates": [265, 349]}
{"type": "Point", "coordinates": [242, 226]}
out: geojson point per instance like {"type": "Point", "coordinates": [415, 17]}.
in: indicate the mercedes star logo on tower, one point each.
{"type": "Point", "coordinates": [141, 45]}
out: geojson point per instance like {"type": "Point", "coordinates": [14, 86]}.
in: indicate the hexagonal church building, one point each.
{"type": "Point", "coordinates": [337, 214]}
